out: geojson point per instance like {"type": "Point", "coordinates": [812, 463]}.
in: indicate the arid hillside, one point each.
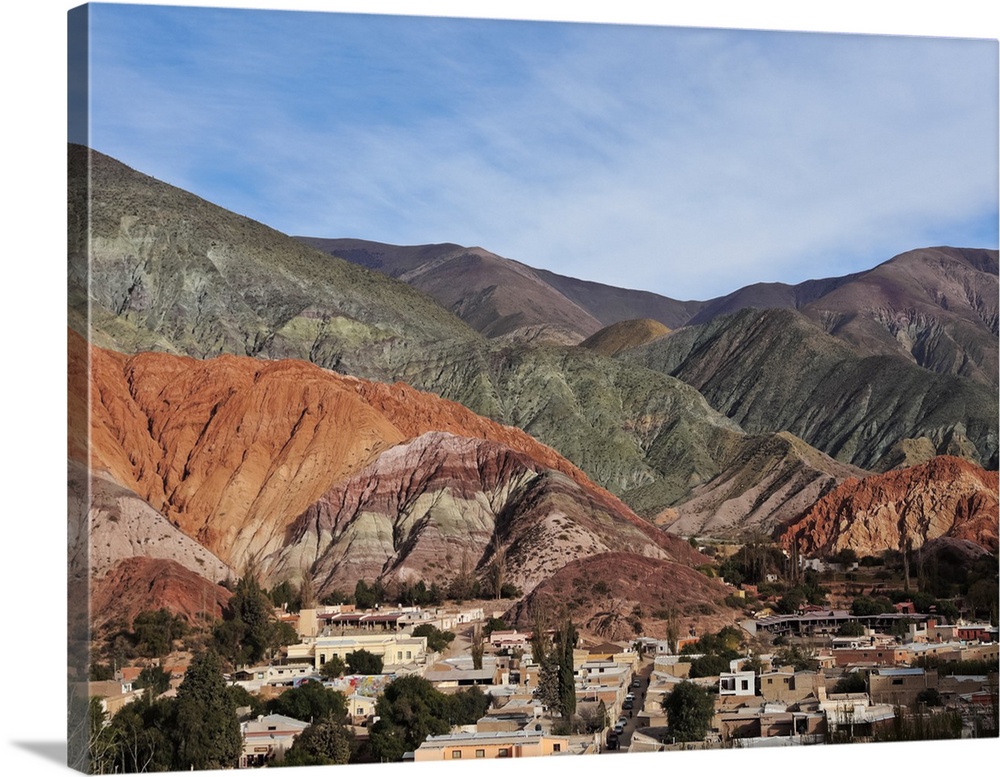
{"type": "Point", "coordinates": [946, 497]}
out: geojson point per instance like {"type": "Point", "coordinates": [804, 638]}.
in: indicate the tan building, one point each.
{"type": "Point", "coordinates": [492, 744]}
{"type": "Point", "coordinates": [790, 687]}
{"type": "Point", "coordinates": [900, 685]}
{"type": "Point", "coordinates": [393, 648]}
{"type": "Point", "coordinates": [268, 738]}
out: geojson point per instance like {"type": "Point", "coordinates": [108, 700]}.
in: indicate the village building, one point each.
{"type": "Point", "coordinates": [268, 738]}
{"type": "Point", "coordinates": [492, 744]}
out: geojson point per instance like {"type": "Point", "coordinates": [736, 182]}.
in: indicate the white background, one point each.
{"type": "Point", "coordinates": [32, 359]}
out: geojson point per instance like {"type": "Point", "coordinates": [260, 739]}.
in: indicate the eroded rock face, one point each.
{"type": "Point", "coordinates": [137, 584]}
{"type": "Point", "coordinates": [440, 503]}
{"type": "Point", "coordinates": [120, 525]}
{"type": "Point", "coordinates": [771, 479]}
{"type": "Point", "coordinates": [232, 450]}
{"type": "Point", "coordinates": [946, 497]}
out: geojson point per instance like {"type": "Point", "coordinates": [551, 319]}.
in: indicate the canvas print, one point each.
{"type": "Point", "coordinates": [454, 389]}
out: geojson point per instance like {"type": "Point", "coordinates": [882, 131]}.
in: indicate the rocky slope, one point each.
{"type": "Point", "coordinates": [122, 525]}
{"type": "Point", "coordinates": [935, 307]}
{"type": "Point", "coordinates": [232, 450]}
{"type": "Point", "coordinates": [946, 497]}
{"type": "Point", "coordinates": [771, 480]}
{"type": "Point", "coordinates": [618, 595]}
{"type": "Point", "coordinates": [775, 370]}
{"type": "Point", "coordinates": [499, 296]}
{"type": "Point", "coordinates": [174, 273]}
{"type": "Point", "coordinates": [425, 509]}
{"type": "Point", "coordinates": [137, 584]}
{"type": "Point", "coordinates": [623, 335]}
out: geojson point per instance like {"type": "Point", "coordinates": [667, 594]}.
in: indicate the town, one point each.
{"type": "Point", "coordinates": [827, 655]}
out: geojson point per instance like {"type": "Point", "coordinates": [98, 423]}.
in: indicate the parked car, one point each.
{"type": "Point", "coordinates": [627, 704]}
{"type": "Point", "coordinates": [612, 740]}
{"type": "Point", "coordinates": [636, 683]}
{"type": "Point", "coordinates": [618, 729]}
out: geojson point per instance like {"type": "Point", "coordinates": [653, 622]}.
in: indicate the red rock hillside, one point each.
{"type": "Point", "coordinates": [945, 497]}
{"type": "Point", "coordinates": [232, 450]}
{"type": "Point", "coordinates": [137, 584]}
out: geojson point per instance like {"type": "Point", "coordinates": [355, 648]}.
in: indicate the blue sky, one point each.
{"type": "Point", "coordinates": [684, 161]}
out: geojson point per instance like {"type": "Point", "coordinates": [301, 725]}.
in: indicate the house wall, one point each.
{"type": "Point", "coordinates": [470, 750]}
{"type": "Point", "coordinates": [900, 689]}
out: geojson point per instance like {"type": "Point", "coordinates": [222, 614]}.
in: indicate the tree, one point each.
{"type": "Point", "coordinates": [437, 640]}
{"type": "Point", "coordinates": [567, 682]}
{"type": "Point", "coordinates": [410, 709]}
{"type": "Point", "coordinates": [689, 711]}
{"type": "Point", "coordinates": [851, 629]}
{"type": "Point", "coordinates": [494, 624]}
{"type": "Point", "coordinates": [851, 683]}
{"type": "Point", "coordinates": [477, 647]}
{"type": "Point", "coordinates": [251, 607]}
{"type": "Point", "coordinates": [865, 605]}
{"type": "Point", "coordinates": [364, 662]}
{"type": "Point", "coordinates": [708, 665]}
{"type": "Point", "coordinates": [155, 630]}
{"type": "Point", "coordinates": [207, 732]}
{"type": "Point", "coordinates": [323, 743]}
{"type": "Point", "coordinates": [156, 678]}
{"type": "Point", "coordinates": [366, 597]}
{"type": "Point", "coordinates": [333, 668]}
{"type": "Point", "coordinates": [310, 701]}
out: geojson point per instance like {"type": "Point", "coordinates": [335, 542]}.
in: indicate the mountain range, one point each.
{"type": "Point", "coordinates": [257, 400]}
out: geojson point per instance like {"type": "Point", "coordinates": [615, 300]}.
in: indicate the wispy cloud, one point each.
{"type": "Point", "coordinates": [688, 162]}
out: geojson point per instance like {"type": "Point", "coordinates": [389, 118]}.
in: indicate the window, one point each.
{"type": "Point", "coordinates": [455, 754]}
{"type": "Point", "coordinates": [409, 654]}
{"type": "Point", "coordinates": [556, 747]}
{"type": "Point", "coordinates": [770, 681]}
{"type": "Point", "coordinates": [480, 754]}
{"type": "Point", "coordinates": [503, 752]}
{"type": "Point", "coordinates": [897, 680]}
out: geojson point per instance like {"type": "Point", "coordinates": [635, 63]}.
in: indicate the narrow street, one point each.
{"type": "Point", "coordinates": [624, 740]}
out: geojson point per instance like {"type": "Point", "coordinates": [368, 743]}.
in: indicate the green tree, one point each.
{"type": "Point", "coordinates": [207, 732]}
{"type": "Point", "coordinates": [333, 668]}
{"type": "Point", "coordinates": [365, 597]}
{"type": "Point", "coordinates": [156, 678]}
{"type": "Point", "coordinates": [567, 682]}
{"type": "Point", "coordinates": [364, 662]}
{"type": "Point", "coordinates": [155, 630]}
{"type": "Point", "coordinates": [100, 672]}
{"type": "Point", "coordinates": [708, 665]}
{"type": "Point", "coordinates": [251, 607]}
{"type": "Point", "coordinates": [477, 647]}
{"type": "Point", "coordinates": [851, 683]}
{"type": "Point", "coordinates": [437, 640]}
{"type": "Point", "coordinates": [324, 743]}
{"type": "Point", "coordinates": [310, 701]}
{"type": "Point", "coordinates": [865, 605]}
{"type": "Point", "coordinates": [689, 711]}
{"type": "Point", "coordinates": [241, 697]}
{"type": "Point", "coordinates": [134, 740]}
{"type": "Point", "coordinates": [547, 689]}
{"type": "Point", "coordinates": [931, 697]}
{"type": "Point", "coordinates": [410, 709]}
{"type": "Point", "coordinates": [495, 624]}
{"type": "Point", "coordinates": [851, 629]}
